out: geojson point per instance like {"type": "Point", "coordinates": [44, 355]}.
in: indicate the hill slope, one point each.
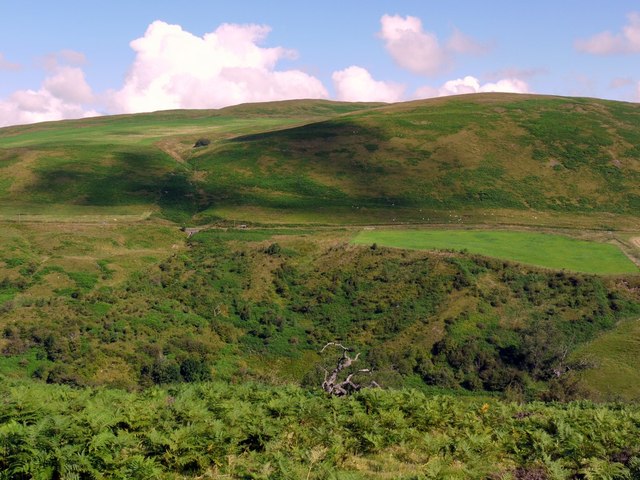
{"type": "Point", "coordinates": [518, 158]}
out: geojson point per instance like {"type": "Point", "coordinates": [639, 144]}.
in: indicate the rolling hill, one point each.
{"type": "Point", "coordinates": [480, 252]}
{"type": "Point", "coordinates": [470, 159]}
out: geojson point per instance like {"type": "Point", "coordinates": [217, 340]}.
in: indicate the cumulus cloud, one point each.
{"type": "Point", "coordinates": [471, 84]}
{"type": "Point", "coordinates": [69, 85]}
{"type": "Point", "coordinates": [420, 51]}
{"type": "Point", "coordinates": [64, 94]}
{"type": "Point", "coordinates": [411, 47]}
{"type": "Point", "coordinates": [7, 65]}
{"type": "Point", "coordinates": [176, 69]}
{"type": "Point", "coordinates": [355, 84]}
{"type": "Point", "coordinates": [607, 43]}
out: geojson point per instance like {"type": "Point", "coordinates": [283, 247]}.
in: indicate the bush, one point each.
{"type": "Point", "coordinates": [202, 142]}
{"type": "Point", "coordinates": [194, 370]}
{"type": "Point", "coordinates": [273, 249]}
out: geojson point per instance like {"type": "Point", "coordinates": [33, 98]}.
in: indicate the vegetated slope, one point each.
{"type": "Point", "coordinates": [129, 163]}
{"type": "Point", "coordinates": [465, 157]}
{"type": "Point", "coordinates": [261, 304]}
{"type": "Point", "coordinates": [614, 356]}
{"type": "Point", "coordinates": [427, 160]}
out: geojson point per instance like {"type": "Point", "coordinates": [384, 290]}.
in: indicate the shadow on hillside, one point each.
{"type": "Point", "coordinates": [129, 178]}
{"type": "Point", "coordinates": [346, 152]}
{"type": "Point", "coordinates": [328, 130]}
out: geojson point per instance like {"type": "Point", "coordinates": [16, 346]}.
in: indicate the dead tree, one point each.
{"type": "Point", "coordinates": [333, 385]}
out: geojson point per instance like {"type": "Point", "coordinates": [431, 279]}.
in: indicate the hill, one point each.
{"type": "Point", "coordinates": [132, 306]}
{"type": "Point", "coordinates": [483, 158]}
{"type": "Point", "coordinates": [197, 352]}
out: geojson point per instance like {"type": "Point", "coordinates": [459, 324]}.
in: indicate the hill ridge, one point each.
{"type": "Point", "coordinates": [318, 161]}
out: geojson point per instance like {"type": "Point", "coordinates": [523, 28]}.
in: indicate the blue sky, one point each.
{"type": "Point", "coordinates": [68, 59]}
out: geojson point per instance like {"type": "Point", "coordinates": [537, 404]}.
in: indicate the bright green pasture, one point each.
{"type": "Point", "coordinates": [545, 250]}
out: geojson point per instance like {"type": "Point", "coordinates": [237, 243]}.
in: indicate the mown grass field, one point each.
{"type": "Point", "coordinates": [541, 249]}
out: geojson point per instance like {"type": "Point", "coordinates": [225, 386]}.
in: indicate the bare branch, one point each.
{"type": "Point", "coordinates": [332, 384]}
{"type": "Point", "coordinates": [335, 344]}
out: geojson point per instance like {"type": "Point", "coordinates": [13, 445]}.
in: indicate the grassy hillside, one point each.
{"type": "Point", "coordinates": [130, 164]}
{"type": "Point", "coordinates": [182, 354]}
{"type": "Point", "coordinates": [425, 160]}
{"type": "Point", "coordinates": [490, 158]}
{"type": "Point", "coordinates": [614, 357]}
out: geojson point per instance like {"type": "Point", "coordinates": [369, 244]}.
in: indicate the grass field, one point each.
{"type": "Point", "coordinates": [545, 250]}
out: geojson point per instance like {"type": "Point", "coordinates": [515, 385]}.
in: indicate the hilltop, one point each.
{"type": "Point", "coordinates": [485, 158]}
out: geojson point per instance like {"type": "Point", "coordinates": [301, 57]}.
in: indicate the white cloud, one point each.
{"type": "Point", "coordinates": [176, 69]}
{"type": "Point", "coordinates": [71, 57]}
{"type": "Point", "coordinates": [69, 85]}
{"type": "Point", "coordinates": [411, 47]}
{"type": "Point", "coordinates": [420, 51]}
{"type": "Point", "coordinates": [471, 84]}
{"type": "Point", "coordinates": [460, 86]}
{"type": "Point", "coordinates": [355, 84]}
{"type": "Point", "coordinates": [607, 43]}
{"type": "Point", "coordinates": [52, 61]}
{"type": "Point", "coordinates": [426, 91]}
{"type": "Point", "coordinates": [63, 95]}
{"type": "Point", "coordinates": [506, 85]}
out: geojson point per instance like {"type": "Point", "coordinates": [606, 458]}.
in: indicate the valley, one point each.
{"type": "Point", "coordinates": [479, 252]}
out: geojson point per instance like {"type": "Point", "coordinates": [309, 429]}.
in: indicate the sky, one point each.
{"type": "Point", "coordinates": [73, 59]}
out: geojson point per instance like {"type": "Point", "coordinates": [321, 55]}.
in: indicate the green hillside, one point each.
{"type": "Point", "coordinates": [131, 306]}
{"type": "Point", "coordinates": [470, 159]}
{"type": "Point", "coordinates": [178, 279]}
{"type": "Point", "coordinates": [130, 164]}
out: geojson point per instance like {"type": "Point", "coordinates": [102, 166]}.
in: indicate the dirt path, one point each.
{"type": "Point", "coordinates": [630, 253]}
{"type": "Point", "coordinates": [172, 150]}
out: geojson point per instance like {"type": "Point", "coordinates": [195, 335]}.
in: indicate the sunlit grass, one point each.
{"type": "Point", "coordinates": [545, 250]}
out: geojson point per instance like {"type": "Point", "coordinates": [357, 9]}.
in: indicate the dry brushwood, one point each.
{"type": "Point", "coordinates": [333, 385]}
